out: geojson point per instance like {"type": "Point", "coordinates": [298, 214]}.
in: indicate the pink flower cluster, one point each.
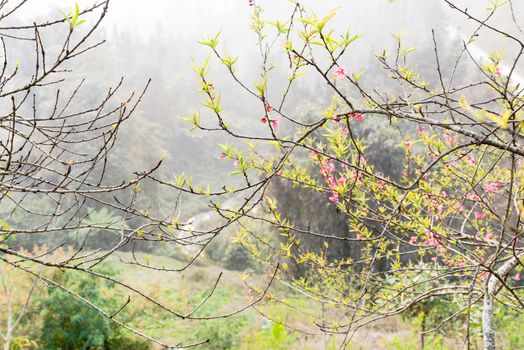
{"type": "Point", "coordinates": [340, 72]}
{"type": "Point", "coordinates": [357, 116]}
{"type": "Point", "coordinates": [480, 215]}
{"type": "Point", "coordinates": [470, 159]}
{"type": "Point", "coordinates": [327, 169]}
{"type": "Point", "coordinates": [334, 197]}
{"type": "Point", "coordinates": [274, 122]}
{"type": "Point", "coordinates": [432, 240]}
{"type": "Point", "coordinates": [436, 204]}
{"type": "Point", "coordinates": [473, 196]}
{"type": "Point", "coordinates": [449, 140]}
{"type": "Point", "coordinates": [455, 262]}
{"type": "Point", "coordinates": [459, 207]}
{"type": "Point", "coordinates": [492, 187]}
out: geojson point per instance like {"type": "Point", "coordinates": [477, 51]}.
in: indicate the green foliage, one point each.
{"type": "Point", "coordinates": [271, 338]}
{"type": "Point", "coordinates": [238, 258]}
{"type": "Point", "coordinates": [217, 248]}
{"type": "Point", "coordinates": [73, 17]}
{"type": "Point", "coordinates": [511, 328]}
{"type": "Point", "coordinates": [69, 323]}
{"type": "Point", "coordinates": [412, 343]}
{"type": "Point", "coordinates": [223, 333]}
{"type": "Point", "coordinates": [21, 343]}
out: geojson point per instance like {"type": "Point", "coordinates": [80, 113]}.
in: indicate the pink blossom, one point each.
{"type": "Point", "coordinates": [473, 197]}
{"type": "Point", "coordinates": [334, 197]}
{"type": "Point", "coordinates": [222, 156]}
{"type": "Point", "coordinates": [269, 108]}
{"type": "Point", "coordinates": [450, 140]}
{"type": "Point", "coordinates": [336, 118]}
{"type": "Point", "coordinates": [470, 159]}
{"type": "Point", "coordinates": [275, 123]}
{"type": "Point", "coordinates": [340, 72]}
{"type": "Point", "coordinates": [330, 179]}
{"type": "Point", "coordinates": [359, 236]}
{"type": "Point", "coordinates": [327, 168]}
{"type": "Point", "coordinates": [492, 187]}
{"type": "Point", "coordinates": [497, 72]}
{"type": "Point", "coordinates": [408, 144]}
{"type": "Point", "coordinates": [479, 215]}
{"type": "Point", "coordinates": [517, 276]}
{"type": "Point", "coordinates": [341, 181]}
{"type": "Point", "coordinates": [413, 240]}
{"type": "Point", "coordinates": [432, 241]}
{"type": "Point", "coordinates": [357, 116]}
{"type": "Point", "coordinates": [251, 2]}
{"type": "Point", "coordinates": [263, 120]}
{"type": "Point", "coordinates": [459, 207]}
{"type": "Point", "coordinates": [357, 178]}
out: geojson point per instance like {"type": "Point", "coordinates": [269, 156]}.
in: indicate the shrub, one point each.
{"type": "Point", "coordinates": [69, 323]}
{"type": "Point", "coordinates": [238, 258]}
{"type": "Point", "coordinates": [222, 333]}
{"type": "Point", "coordinates": [274, 337]}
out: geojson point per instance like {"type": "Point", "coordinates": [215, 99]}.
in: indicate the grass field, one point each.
{"type": "Point", "coordinates": [183, 290]}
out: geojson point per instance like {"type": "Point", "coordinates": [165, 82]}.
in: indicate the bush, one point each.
{"type": "Point", "coordinates": [216, 249]}
{"type": "Point", "coordinates": [69, 323]}
{"type": "Point", "coordinates": [238, 258]}
{"type": "Point", "coordinates": [222, 333]}
{"type": "Point", "coordinates": [272, 338]}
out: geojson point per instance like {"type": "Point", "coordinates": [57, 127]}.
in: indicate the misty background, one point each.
{"type": "Point", "coordinates": [158, 40]}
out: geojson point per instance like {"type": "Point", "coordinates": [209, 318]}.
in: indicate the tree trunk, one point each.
{"type": "Point", "coordinates": [9, 330]}
{"type": "Point", "coordinates": [488, 331]}
{"type": "Point", "coordinates": [492, 288]}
